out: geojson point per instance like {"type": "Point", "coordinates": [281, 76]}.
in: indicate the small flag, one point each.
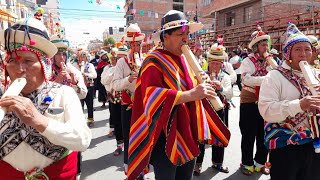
{"type": "Point", "coordinates": [141, 12]}
{"type": "Point", "coordinates": [133, 11]}
{"type": "Point", "coordinates": [149, 13]}
{"type": "Point", "coordinates": [118, 7]}
{"type": "Point", "coordinates": [156, 15]}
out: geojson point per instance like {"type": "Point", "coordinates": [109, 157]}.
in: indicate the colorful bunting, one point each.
{"type": "Point", "coordinates": [142, 12]}
{"type": "Point", "coordinates": [156, 15]}
{"type": "Point", "coordinates": [149, 13]}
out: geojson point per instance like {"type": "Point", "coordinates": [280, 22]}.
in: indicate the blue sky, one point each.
{"type": "Point", "coordinates": [94, 20]}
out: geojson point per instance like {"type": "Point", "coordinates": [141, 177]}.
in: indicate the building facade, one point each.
{"type": "Point", "coordinates": [148, 13]}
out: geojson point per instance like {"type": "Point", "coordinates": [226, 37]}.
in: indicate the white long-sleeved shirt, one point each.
{"type": "Point", "coordinates": [279, 98]}
{"type": "Point", "coordinates": [91, 73]}
{"type": "Point", "coordinates": [67, 129]}
{"type": "Point", "coordinates": [227, 86]}
{"type": "Point", "coordinates": [247, 68]}
{"type": "Point", "coordinates": [230, 70]}
{"type": "Point", "coordinates": [121, 75]}
{"type": "Point", "coordinates": [107, 76]}
{"type": "Point", "coordinates": [80, 88]}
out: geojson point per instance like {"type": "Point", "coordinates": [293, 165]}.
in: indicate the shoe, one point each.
{"type": "Point", "coordinates": [220, 168]}
{"type": "Point", "coordinates": [90, 122]}
{"type": "Point", "coordinates": [197, 169]}
{"type": "Point", "coordinates": [264, 170]}
{"type": "Point", "coordinates": [246, 170]}
{"type": "Point", "coordinates": [78, 176]}
{"type": "Point", "coordinates": [110, 134]}
{"type": "Point", "coordinates": [117, 152]}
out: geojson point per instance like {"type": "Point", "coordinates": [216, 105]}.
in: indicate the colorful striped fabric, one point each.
{"type": "Point", "coordinates": [154, 111]}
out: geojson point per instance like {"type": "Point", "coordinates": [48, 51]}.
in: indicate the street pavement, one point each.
{"type": "Point", "coordinates": [99, 163]}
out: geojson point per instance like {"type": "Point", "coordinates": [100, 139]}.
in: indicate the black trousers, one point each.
{"type": "Point", "coordinates": [115, 121]}
{"type": "Point", "coordinates": [79, 162]}
{"type": "Point", "coordinates": [294, 162]}
{"type": "Point", "coordinates": [89, 101]}
{"type": "Point", "coordinates": [239, 81]}
{"type": "Point", "coordinates": [111, 118]}
{"type": "Point", "coordinates": [217, 152]}
{"type": "Point", "coordinates": [125, 119]}
{"type": "Point", "coordinates": [164, 169]}
{"type": "Point", "coordinates": [251, 127]}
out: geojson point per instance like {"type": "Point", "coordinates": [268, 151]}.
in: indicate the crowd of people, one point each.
{"type": "Point", "coordinates": [163, 109]}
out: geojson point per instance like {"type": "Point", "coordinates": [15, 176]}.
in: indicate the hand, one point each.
{"type": "Point", "coordinates": [217, 85]}
{"type": "Point", "coordinates": [73, 78]}
{"type": "Point", "coordinates": [26, 112]}
{"type": "Point", "coordinates": [202, 91]}
{"type": "Point", "coordinates": [310, 103]}
{"type": "Point", "coordinates": [133, 76]}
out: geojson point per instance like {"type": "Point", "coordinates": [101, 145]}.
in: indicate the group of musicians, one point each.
{"type": "Point", "coordinates": [164, 108]}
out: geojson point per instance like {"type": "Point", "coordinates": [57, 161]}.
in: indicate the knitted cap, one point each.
{"type": "Point", "coordinates": [293, 36]}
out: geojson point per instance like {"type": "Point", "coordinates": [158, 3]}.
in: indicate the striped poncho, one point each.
{"type": "Point", "coordinates": [162, 78]}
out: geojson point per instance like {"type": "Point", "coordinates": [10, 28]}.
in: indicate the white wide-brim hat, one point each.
{"type": "Point", "coordinates": [39, 36]}
{"type": "Point", "coordinates": [257, 39]}
{"type": "Point", "coordinates": [217, 52]}
{"type": "Point", "coordinates": [274, 51]}
{"type": "Point", "coordinates": [122, 50]}
{"type": "Point", "coordinates": [174, 19]}
{"type": "Point", "coordinates": [134, 33]}
{"type": "Point", "coordinates": [59, 42]}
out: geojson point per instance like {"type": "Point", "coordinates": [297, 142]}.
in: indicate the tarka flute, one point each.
{"type": "Point", "coordinates": [270, 60]}
{"type": "Point", "coordinates": [311, 80]}
{"type": "Point", "coordinates": [14, 90]}
{"type": "Point", "coordinates": [137, 62]}
{"type": "Point", "coordinates": [192, 61]}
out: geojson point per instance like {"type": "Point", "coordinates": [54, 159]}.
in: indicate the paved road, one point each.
{"type": "Point", "coordinates": [100, 164]}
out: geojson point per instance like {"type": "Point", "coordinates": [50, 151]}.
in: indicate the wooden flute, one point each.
{"type": "Point", "coordinates": [192, 61]}
{"type": "Point", "coordinates": [14, 90]}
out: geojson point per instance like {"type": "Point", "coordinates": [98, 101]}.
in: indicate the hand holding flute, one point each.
{"type": "Point", "coordinates": [310, 103]}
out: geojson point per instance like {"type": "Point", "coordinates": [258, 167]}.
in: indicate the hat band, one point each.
{"type": "Point", "coordinates": [134, 34]}
{"type": "Point", "coordinates": [58, 40]}
{"type": "Point", "coordinates": [217, 53]}
{"type": "Point", "coordinates": [31, 30]}
{"type": "Point", "coordinates": [13, 46]}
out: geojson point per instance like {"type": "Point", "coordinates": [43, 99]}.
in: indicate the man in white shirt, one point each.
{"type": "Point", "coordinates": [285, 103]}
{"type": "Point", "coordinates": [114, 96]}
{"type": "Point", "coordinates": [236, 63]}
{"type": "Point", "coordinates": [253, 70]}
{"type": "Point", "coordinates": [124, 79]}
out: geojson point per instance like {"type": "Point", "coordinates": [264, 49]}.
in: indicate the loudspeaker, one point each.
{"type": "Point", "coordinates": [110, 30]}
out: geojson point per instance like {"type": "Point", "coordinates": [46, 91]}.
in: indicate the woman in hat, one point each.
{"type": "Point", "coordinates": [89, 74]}
{"type": "Point", "coordinates": [124, 80]}
{"type": "Point", "coordinates": [102, 93]}
{"type": "Point", "coordinates": [63, 72]}
{"type": "Point", "coordinates": [114, 97]}
{"type": "Point", "coordinates": [170, 113]}
{"type": "Point", "coordinates": [253, 71]}
{"type": "Point", "coordinates": [222, 83]}
{"type": "Point", "coordinates": [285, 103]}
{"type": "Point", "coordinates": [44, 125]}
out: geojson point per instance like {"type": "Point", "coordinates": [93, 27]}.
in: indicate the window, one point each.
{"type": "Point", "coordinates": [206, 2]}
{"type": "Point", "coordinates": [230, 18]}
{"type": "Point", "coordinates": [178, 7]}
{"type": "Point", "coordinates": [247, 14]}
